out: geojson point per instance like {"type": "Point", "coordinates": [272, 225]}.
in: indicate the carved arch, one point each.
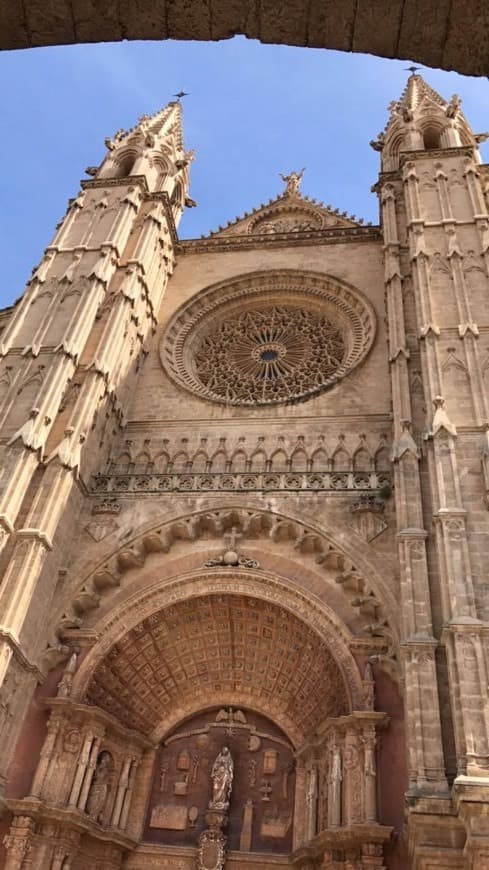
{"type": "Point", "coordinates": [141, 608]}
{"type": "Point", "coordinates": [337, 550]}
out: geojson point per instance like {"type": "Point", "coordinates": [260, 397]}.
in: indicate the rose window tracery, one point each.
{"type": "Point", "coordinates": [270, 355]}
{"type": "Point", "coordinates": [268, 338]}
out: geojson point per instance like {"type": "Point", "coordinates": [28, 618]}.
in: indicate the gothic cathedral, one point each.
{"type": "Point", "coordinates": [244, 528]}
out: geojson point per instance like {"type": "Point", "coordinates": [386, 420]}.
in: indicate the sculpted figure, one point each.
{"type": "Point", "coordinates": [222, 779]}
{"type": "Point", "coordinates": [292, 181]}
{"type": "Point", "coordinates": [99, 789]}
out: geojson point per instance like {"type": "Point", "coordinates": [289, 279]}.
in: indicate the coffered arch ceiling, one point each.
{"type": "Point", "coordinates": [348, 564]}
{"type": "Point", "coordinates": [225, 646]}
{"type": "Point", "coordinates": [451, 36]}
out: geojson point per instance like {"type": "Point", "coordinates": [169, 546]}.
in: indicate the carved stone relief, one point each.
{"type": "Point", "coordinates": [257, 811]}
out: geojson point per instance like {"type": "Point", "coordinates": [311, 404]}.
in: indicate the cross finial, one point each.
{"type": "Point", "coordinates": [412, 69]}
{"type": "Point", "coordinates": [232, 537]}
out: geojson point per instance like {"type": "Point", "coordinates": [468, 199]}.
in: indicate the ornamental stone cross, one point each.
{"type": "Point", "coordinates": [232, 537]}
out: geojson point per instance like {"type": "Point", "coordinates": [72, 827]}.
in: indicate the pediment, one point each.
{"type": "Point", "coordinates": [287, 214]}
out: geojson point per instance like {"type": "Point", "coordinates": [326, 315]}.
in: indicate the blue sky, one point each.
{"type": "Point", "coordinates": [253, 111]}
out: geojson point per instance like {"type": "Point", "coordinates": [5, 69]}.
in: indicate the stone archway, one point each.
{"type": "Point", "coordinates": [229, 642]}
{"type": "Point", "coordinates": [449, 37]}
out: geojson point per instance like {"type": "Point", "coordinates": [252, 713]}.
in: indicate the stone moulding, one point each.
{"type": "Point", "coordinates": [330, 236]}
{"type": "Point", "coordinates": [306, 293]}
{"type": "Point", "coordinates": [320, 481]}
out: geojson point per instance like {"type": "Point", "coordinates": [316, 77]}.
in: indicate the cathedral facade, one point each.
{"type": "Point", "coordinates": [244, 529]}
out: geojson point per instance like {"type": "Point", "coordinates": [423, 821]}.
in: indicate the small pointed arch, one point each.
{"type": "Point", "coordinates": [123, 462]}
{"type": "Point", "coordinates": [200, 461]}
{"type": "Point", "coordinates": [279, 461]}
{"type": "Point", "coordinates": [161, 462]}
{"type": "Point", "coordinates": [122, 163]}
{"type": "Point", "coordinates": [393, 146]}
{"type": "Point", "coordinates": [219, 461]}
{"type": "Point", "coordinates": [163, 166]}
{"type": "Point", "coordinates": [258, 460]}
{"type": "Point", "coordinates": [453, 362]}
{"type": "Point", "coordinates": [239, 460]}
{"type": "Point", "coordinates": [299, 460]}
{"type": "Point", "coordinates": [362, 460]}
{"type": "Point", "coordinates": [431, 133]}
{"type": "Point", "coordinates": [142, 461]}
{"type": "Point", "coordinates": [180, 461]}
{"type": "Point", "coordinates": [382, 460]}
{"type": "Point", "coordinates": [341, 458]}
{"type": "Point", "coordinates": [319, 460]}
{"type": "Point", "coordinates": [178, 196]}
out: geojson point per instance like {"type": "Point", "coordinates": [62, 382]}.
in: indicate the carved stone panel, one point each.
{"type": "Point", "coordinates": [260, 811]}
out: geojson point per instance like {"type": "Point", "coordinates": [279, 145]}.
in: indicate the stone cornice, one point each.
{"type": "Point", "coordinates": [91, 712]}
{"type": "Point", "coordinates": [74, 820]}
{"type": "Point", "coordinates": [335, 235]}
{"type": "Point", "coordinates": [260, 420]}
{"type": "Point", "coordinates": [435, 153]}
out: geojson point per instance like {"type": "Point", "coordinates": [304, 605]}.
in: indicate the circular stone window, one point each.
{"type": "Point", "coordinates": [268, 338]}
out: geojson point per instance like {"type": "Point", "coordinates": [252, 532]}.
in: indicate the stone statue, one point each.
{"type": "Point", "coordinates": [66, 681]}
{"type": "Point", "coordinates": [99, 789]}
{"type": "Point", "coordinates": [292, 181]}
{"type": "Point", "coordinates": [222, 780]}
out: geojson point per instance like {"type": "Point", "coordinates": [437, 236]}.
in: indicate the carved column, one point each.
{"type": "Point", "coordinates": [300, 805]}
{"type": "Point", "coordinates": [46, 756]}
{"type": "Point", "coordinates": [89, 772]}
{"type": "Point", "coordinates": [128, 795]}
{"type": "Point", "coordinates": [370, 773]}
{"type": "Point", "coordinates": [81, 769]}
{"type": "Point", "coordinates": [335, 792]}
{"type": "Point", "coordinates": [18, 842]}
{"type": "Point", "coordinates": [121, 790]}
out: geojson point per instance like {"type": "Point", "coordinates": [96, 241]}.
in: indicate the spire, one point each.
{"type": "Point", "coordinates": [423, 120]}
{"type": "Point", "coordinates": [166, 119]}
{"type": "Point", "coordinates": [153, 149]}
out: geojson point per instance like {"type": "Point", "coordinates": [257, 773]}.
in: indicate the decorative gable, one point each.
{"type": "Point", "coordinates": [290, 212]}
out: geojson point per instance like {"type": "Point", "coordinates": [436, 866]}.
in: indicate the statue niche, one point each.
{"type": "Point", "coordinates": [99, 789]}
{"type": "Point", "coordinates": [225, 767]}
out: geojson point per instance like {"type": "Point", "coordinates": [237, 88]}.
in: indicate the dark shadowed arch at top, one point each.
{"type": "Point", "coordinates": [450, 34]}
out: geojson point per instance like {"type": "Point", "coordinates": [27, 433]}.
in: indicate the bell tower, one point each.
{"type": "Point", "coordinates": [69, 357]}
{"type": "Point", "coordinates": [436, 239]}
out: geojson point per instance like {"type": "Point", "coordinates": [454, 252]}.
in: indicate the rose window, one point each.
{"type": "Point", "coordinates": [268, 338]}
{"type": "Point", "coordinates": [269, 355]}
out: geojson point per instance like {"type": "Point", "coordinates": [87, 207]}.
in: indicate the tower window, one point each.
{"type": "Point", "coordinates": [125, 166]}
{"type": "Point", "coordinates": [431, 138]}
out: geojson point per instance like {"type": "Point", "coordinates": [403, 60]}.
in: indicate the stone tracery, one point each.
{"type": "Point", "coordinates": [270, 355]}
{"type": "Point", "coordinates": [312, 329]}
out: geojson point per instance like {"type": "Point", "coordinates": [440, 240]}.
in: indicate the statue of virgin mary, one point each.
{"type": "Point", "coordinates": [222, 780]}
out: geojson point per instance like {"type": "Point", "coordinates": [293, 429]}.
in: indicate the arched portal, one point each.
{"type": "Point", "coordinates": [221, 715]}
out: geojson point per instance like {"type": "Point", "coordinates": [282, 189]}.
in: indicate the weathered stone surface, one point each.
{"type": "Point", "coordinates": [453, 35]}
{"type": "Point", "coordinates": [254, 489]}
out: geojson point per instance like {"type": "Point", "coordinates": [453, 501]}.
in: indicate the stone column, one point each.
{"type": "Point", "coordinates": [90, 770]}
{"type": "Point", "coordinates": [300, 806]}
{"type": "Point", "coordinates": [46, 756]}
{"type": "Point", "coordinates": [128, 795]}
{"type": "Point", "coordinates": [83, 759]}
{"type": "Point", "coordinates": [370, 772]}
{"type": "Point", "coordinates": [121, 791]}
{"type": "Point", "coordinates": [335, 791]}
